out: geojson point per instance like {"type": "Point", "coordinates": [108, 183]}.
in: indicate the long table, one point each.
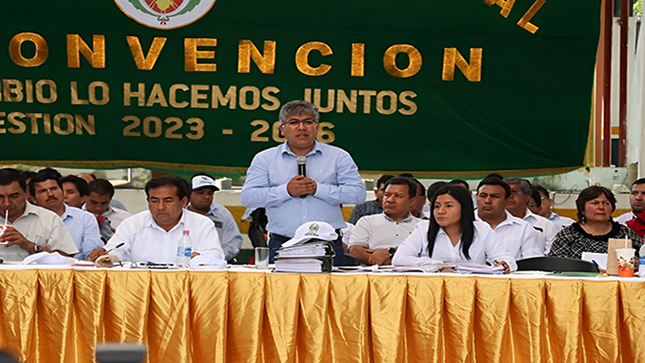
{"type": "Point", "coordinates": [58, 315]}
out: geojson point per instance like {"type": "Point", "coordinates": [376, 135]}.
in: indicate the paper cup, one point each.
{"type": "Point", "coordinates": [626, 260]}
{"type": "Point", "coordinates": [2, 229]}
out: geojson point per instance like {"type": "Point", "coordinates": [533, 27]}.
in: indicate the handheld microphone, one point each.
{"type": "Point", "coordinates": [302, 165]}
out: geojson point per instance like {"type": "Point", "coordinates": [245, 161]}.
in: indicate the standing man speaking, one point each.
{"type": "Point", "coordinates": [302, 180]}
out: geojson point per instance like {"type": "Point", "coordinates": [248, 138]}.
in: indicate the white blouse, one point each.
{"type": "Point", "coordinates": [487, 246]}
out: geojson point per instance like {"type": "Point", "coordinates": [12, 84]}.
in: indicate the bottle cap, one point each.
{"type": "Point", "coordinates": [186, 231]}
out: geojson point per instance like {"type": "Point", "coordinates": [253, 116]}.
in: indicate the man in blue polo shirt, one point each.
{"type": "Point", "coordinates": [273, 180]}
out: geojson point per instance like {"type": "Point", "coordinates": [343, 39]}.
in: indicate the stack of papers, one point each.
{"type": "Point", "coordinates": [310, 249]}
{"type": "Point", "coordinates": [300, 265]}
{"type": "Point", "coordinates": [442, 266]}
{"type": "Point", "coordinates": [305, 257]}
{"type": "Point", "coordinates": [479, 269]}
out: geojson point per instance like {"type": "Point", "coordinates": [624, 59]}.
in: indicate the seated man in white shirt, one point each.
{"type": "Point", "coordinates": [517, 205]}
{"type": "Point", "coordinates": [521, 240]}
{"type": "Point", "coordinates": [31, 229]}
{"type": "Point", "coordinates": [375, 238]}
{"type": "Point", "coordinates": [636, 202]}
{"type": "Point", "coordinates": [543, 205]}
{"type": "Point", "coordinates": [47, 191]}
{"type": "Point", "coordinates": [153, 235]}
{"type": "Point", "coordinates": [201, 201]}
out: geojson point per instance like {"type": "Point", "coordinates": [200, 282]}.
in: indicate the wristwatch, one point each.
{"type": "Point", "coordinates": [391, 251]}
{"type": "Point", "coordinates": [36, 248]}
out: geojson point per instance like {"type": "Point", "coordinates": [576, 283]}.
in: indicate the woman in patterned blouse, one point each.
{"type": "Point", "coordinates": [594, 227]}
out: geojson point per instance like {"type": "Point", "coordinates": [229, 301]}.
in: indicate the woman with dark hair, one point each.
{"type": "Point", "coordinates": [453, 235]}
{"type": "Point", "coordinates": [594, 227]}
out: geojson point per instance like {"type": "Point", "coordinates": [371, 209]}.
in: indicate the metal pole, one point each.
{"type": "Point", "coordinates": [624, 37]}
{"type": "Point", "coordinates": [606, 145]}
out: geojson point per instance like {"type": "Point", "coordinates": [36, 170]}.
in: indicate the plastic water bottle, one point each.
{"type": "Point", "coordinates": [184, 249]}
{"type": "Point", "coordinates": [616, 187]}
{"type": "Point", "coordinates": [641, 263]}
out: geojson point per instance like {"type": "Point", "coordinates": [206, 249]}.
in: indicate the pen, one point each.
{"type": "Point", "coordinates": [596, 263]}
{"type": "Point", "coordinates": [117, 246]}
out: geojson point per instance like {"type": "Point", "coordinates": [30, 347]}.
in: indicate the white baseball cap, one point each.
{"type": "Point", "coordinates": [312, 230]}
{"type": "Point", "coordinates": [201, 181]}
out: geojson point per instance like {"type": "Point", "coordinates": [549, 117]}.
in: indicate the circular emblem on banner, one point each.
{"type": "Point", "coordinates": [165, 14]}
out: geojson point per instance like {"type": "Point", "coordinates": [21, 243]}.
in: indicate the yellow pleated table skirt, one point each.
{"type": "Point", "coordinates": [59, 315]}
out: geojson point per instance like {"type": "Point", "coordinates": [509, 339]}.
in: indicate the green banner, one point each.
{"type": "Point", "coordinates": [429, 87]}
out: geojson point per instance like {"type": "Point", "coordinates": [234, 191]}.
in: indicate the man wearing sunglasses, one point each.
{"type": "Point", "coordinates": [313, 189]}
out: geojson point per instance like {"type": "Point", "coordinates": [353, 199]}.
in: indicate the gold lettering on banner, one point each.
{"type": "Point", "coordinates": [247, 51]}
{"type": "Point", "coordinates": [405, 99]}
{"type": "Point", "coordinates": [40, 55]}
{"type": "Point", "coordinates": [255, 135]}
{"type": "Point", "coordinates": [131, 129]}
{"type": "Point", "coordinates": [244, 96]}
{"type": "Point", "coordinates": [192, 54]}
{"type": "Point", "coordinates": [33, 120]}
{"type": "Point", "coordinates": [104, 92]}
{"type": "Point", "coordinates": [380, 102]}
{"type": "Point", "coordinates": [196, 95]}
{"type": "Point", "coordinates": [76, 46]}
{"type": "Point", "coordinates": [139, 94]}
{"type": "Point", "coordinates": [81, 124]}
{"type": "Point", "coordinates": [506, 6]}
{"type": "Point", "coordinates": [73, 88]}
{"type": "Point", "coordinates": [157, 97]}
{"type": "Point", "coordinates": [302, 58]}
{"type": "Point", "coordinates": [63, 124]}
{"type": "Point", "coordinates": [172, 132]}
{"type": "Point", "coordinates": [358, 60]}
{"type": "Point", "coordinates": [145, 63]}
{"type": "Point", "coordinates": [325, 135]}
{"type": "Point", "coordinates": [33, 117]}
{"type": "Point", "coordinates": [367, 100]}
{"type": "Point", "coordinates": [47, 124]}
{"type": "Point", "coordinates": [15, 120]}
{"type": "Point", "coordinates": [268, 94]}
{"type": "Point", "coordinates": [40, 91]}
{"type": "Point", "coordinates": [12, 90]}
{"type": "Point", "coordinates": [152, 127]}
{"type": "Point", "coordinates": [29, 90]}
{"type": "Point", "coordinates": [525, 22]}
{"type": "Point", "coordinates": [317, 99]}
{"type": "Point", "coordinates": [173, 95]}
{"type": "Point", "coordinates": [95, 97]}
{"type": "Point", "coordinates": [349, 102]}
{"type": "Point", "coordinates": [196, 128]}
{"type": "Point", "coordinates": [229, 99]}
{"type": "Point", "coordinates": [472, 71]}
{"type": "Point", "coordinates": [414, 57]}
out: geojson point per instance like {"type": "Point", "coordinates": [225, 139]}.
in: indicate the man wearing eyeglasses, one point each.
{"type": "Point", "coordinates": [330, 179]}
{"type": "Point", "coordinates": [517, 205]}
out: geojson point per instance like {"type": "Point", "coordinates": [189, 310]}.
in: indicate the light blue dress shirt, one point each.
{"type": "Point", "coordinates": [229, 235]}
{"type": "Point", "coordinates": [332, 168]}
{"type": "Point", "coordinates": [84, 229]}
